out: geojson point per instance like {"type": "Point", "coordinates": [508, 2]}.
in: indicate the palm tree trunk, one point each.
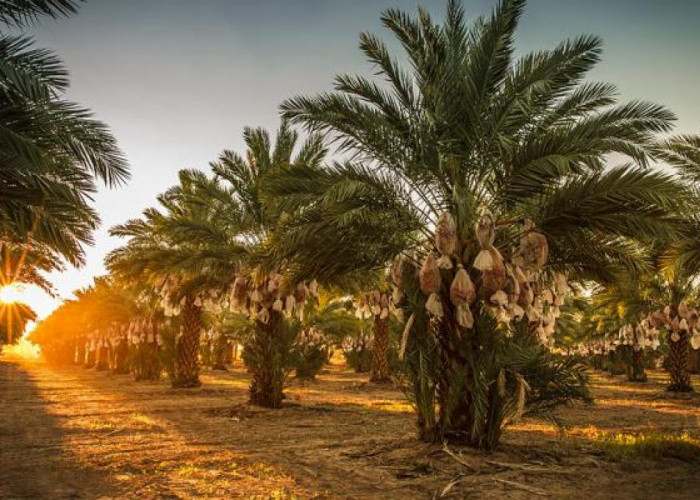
{"type": "Point", "coordinates": [693, 361]}
{"type": "Point", "coordinates": [266, 362]}
{"type": "Point", "coordinates": [456, 414]}
{"type": "Point", "coordinates": [90, 355]}
{"type": "Point", "coordinates": [598, 361]}
{"type": "Point", "coordinates": [121, 357]}
{"type": "Point", "coordinates": [102, 362]}
{"type": "Point", "coordinates": [678, 364]}
{"type": "Point", "coordinates": [221, 347]}
{"type": "Point", "coordinates": [147, 364]}
{"type": "Point", "coordinates": [616, 363]}
{"type": "Point", "coordinates": [381, 371]}
{"type": "Point", "coordinates": [234, 353]}
{"type": "Point", "coordinates": [187, 356]}
{"type": "Point", "coordinates": [79, 352]}
{"type": "Point", "coordinates": [635, 368]}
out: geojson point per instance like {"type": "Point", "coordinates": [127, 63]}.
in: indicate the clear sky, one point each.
{"type": "Point", "coordinates": [177, 80]}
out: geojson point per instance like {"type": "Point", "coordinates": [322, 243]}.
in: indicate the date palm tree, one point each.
{"type": "Point", "coordinates": [621, 310]}
{"type": "Point", "coordinates": [211, 230]}
{"type": "Point", "coordinates": [480, 159]}
{"type": "Point", "coordinates": [680, 261]}
{"type": "Point", "coordinates": [52, 151]}
{"type": "Point", "coordinates": [161, 254]}
{"type": "Point", "coordinates": [245, 221]}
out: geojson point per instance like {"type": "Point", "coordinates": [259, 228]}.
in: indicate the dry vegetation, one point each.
{"type": "Point", "coordinates": [67, 433]}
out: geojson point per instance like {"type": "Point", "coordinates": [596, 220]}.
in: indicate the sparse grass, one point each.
{"type": "Point", "coordinates": [99, 426]}
{"type": "Point", "coordinates": [623, 447]}
{"type": "Point", "coordinates": [281, 494]}
{"type": "Point", "coordinates": [187, 470]}
{"type": "Point", "coordinates": [262, 471]}
{"type": "Point", "coordinates": [143, 419]}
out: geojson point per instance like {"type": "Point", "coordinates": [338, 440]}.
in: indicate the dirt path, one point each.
{"type": "Point", "coordinates": [73, 433]}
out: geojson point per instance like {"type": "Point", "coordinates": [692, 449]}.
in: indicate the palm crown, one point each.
{"type": "Point", "coordinates": [470, 128]}
{"type": "Point", "coordinates": [52, 150]}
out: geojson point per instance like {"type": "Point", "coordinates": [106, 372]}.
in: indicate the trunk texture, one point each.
{"type": "Point", "coordinates": [147, 363]}
{"type": "Point", "coordinates": [381, 371]}
{"type": "Point", "coordinates": [187, 360]}
{"type": "Point", "coordinates": [678, 355]}
{"type": "Point", "coordinates": [222, 348]}
{"type": "Point", "coordinates": [79, 352]}
{"type": "Point", "coordinates": [121, 357]}
{"type": "Point", "coordinates": [266, 363]}
{"type": "Point", "coordinates": [102, 362]}
{"type": "Point", "coordinates": [635, 369]}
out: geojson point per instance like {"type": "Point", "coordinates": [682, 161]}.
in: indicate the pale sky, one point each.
{"type": "Point", "coordinates": [177, 80]}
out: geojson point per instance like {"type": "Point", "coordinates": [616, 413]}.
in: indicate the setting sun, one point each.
{"type": "Point", "coordinates": [9, 294]}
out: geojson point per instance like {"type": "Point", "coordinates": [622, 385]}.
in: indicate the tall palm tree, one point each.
{"type": "Point", "coordinates": [488, 173]}
{"type": "Point", "coordinates": [52, 151]}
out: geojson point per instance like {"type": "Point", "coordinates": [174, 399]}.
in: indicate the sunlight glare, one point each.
{"type": "Point", "coordinates": [14, 292]}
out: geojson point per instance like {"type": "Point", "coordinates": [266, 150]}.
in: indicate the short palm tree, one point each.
{"type": "Point", "coordinates": [210, 234]}
{"type": "Point", "coordinates": [183, 270]}
{"type": "Point", "coordinates": [481, 176]}
{"type": "Point", "coordinates": [236, 195]}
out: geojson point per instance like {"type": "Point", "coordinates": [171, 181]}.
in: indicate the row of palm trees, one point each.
{"type": "Point", "coordinates": [471, 191]}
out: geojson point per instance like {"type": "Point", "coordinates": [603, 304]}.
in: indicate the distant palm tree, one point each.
{"type": "Point", "coordinates": [626, 304]}
{"type": "Point", "coordinates": [473, 137]}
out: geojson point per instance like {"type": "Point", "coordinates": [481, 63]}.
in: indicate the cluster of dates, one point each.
{"type": "Point", "coordinates": [96, 339]}
{"type": "Point", "coordinates": [640, 336]}
{"type": "Point", "coordinates": [311, 339]}
{"type": "Point", "coordinates": [210, 300]}
{"type": "Point", "coordinates": [374, 303]}
{"type": "Point", "coordinates": [257, 298]}
{"type": "Point", "coordinates": [511, 289]}
{"type": "Point", "coordinates": [140, 331]}
{"type": "Point", "coordinates": [357, 345]}
{"type": "Point", "coordinates": [685, 321]}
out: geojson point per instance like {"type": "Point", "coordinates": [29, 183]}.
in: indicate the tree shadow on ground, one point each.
{"type": "Point", "coordinates": [336, 438]}
{"type": "Point", "coordinates": [34, 461]}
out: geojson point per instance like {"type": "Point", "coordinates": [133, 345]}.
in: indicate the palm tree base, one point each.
{"type": "Point", "coordinates": [680, 388]}
{"type": "Point", "coordinates": [186, 384]}
{"type": "Point", "coordinates": [273, 401]}
{"type": "Point", "coordinates": [381, 380]}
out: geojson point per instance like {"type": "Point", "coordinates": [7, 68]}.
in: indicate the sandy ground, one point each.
{"type": "Point", "coordinates": [76, 433]}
